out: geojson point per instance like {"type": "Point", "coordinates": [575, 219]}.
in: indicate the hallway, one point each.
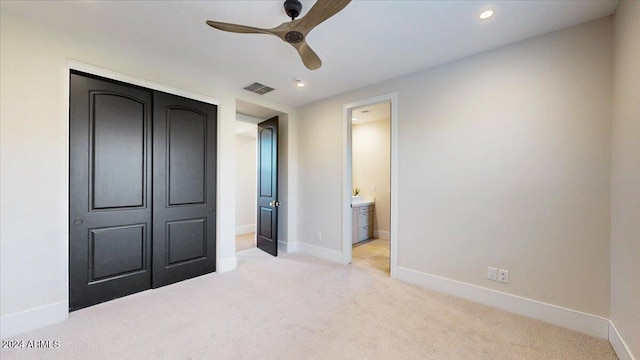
{"type": "Point", "coordinates": [245, 241]}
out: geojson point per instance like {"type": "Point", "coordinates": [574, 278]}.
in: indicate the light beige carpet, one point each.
{"type": "Point", "coordinates": [245, 241]}
{"type": "Point", "coordinates": [299, 307]}
{"type": "Point", "coordinates": [373, 253]}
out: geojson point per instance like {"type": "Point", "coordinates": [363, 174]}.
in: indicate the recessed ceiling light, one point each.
{"type": "Point", "coordinates": [485, 14]}
{"type": "Point", "coordinates": [299, 83]}
{"type": "Point", "coordinates": [354, 119]}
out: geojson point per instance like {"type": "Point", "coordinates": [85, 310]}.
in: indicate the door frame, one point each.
{"type": "Point", "coordinates": [347, 175]}
{"type": "Point", "coordinates": [286, 168]}
{"type": "Point", "coordinates": [114, 75]}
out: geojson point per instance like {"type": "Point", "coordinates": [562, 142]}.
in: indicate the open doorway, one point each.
{"type": "Point", "coordinates": [257, 173]}
{"type": "Point", "coordinates": [246, 130]}
{"type": "Point", "coordinates": [370, 185]}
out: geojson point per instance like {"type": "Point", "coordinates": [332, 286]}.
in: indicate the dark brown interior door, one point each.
{"type": "Point", "coordinates": [267, 217]}
{"type": "Point", "coordinates": [110, 190]}
{"type": "Point", "coordinates": [184, 188]}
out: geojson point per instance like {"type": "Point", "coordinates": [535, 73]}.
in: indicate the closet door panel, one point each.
{"type": "Point", "coordinates": [189, 240]}
{"type": "Point", "coordinates": [109, 190]}
{"type": "Point", "coordinates": [118, 142]}
{"type": "Point", "coordinates": [186, 156]}
{"type": "Point", "coordinates": [184, 194]}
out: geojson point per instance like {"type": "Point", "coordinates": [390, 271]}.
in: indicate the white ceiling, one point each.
{"type": "Point", "coordinates": [368, 42]}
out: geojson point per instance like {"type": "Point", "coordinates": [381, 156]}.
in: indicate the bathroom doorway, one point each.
{"type": "Point", "coordinates": [370, 179]}
{"type": "Point", "coordinates": [371, 185]}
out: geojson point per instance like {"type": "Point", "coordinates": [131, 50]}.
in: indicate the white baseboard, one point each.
{"type": "Point", "coordinates": [245, 229]}
{"type": "Point", "coordinates": [287, 247]}
{"type": "Point", "coordinates": [227, 264]}
{"type": "Point", "coordinates": [22, 322]}
{"type": "Point", "coordinates": [323, 253]}
{"type": "Point", "coordinates": [575, 320]}
{"type": "Point", "coordinates": [618, 345]}
{"type": "Point", "coordinates": [381, 234]}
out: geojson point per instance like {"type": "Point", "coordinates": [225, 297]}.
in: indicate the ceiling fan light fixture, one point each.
{"type": "Point", "coordinates": [485, 14]}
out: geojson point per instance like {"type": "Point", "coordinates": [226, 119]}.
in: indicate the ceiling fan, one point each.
{"type": "Point", "coordinates": [295, 31]}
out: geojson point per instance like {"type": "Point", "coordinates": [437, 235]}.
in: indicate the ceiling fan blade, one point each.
{"type": "Point", "coordinates": [238, 28]}
{"type": "Point", "coordinates": [309, 57]}
{"type": "Point", "coordinates": [321, 11]}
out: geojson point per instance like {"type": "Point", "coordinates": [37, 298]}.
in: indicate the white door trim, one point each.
{"type": "Point", "coordinates": [129, 79]}
{"type": "Point", "coordinates": [346, 177]}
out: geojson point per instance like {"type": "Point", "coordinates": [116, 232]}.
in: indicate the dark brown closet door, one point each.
{"type": "Point", "coordinates": [184, 188]}
{"type": "Point", "coordinates": [110, 190]}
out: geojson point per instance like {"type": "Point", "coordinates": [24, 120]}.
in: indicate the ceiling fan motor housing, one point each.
{"type": "Point", "coordinates": [292, 8]}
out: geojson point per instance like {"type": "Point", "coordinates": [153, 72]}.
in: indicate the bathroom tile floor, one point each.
{"type": "Point", "coordinates": [372, 253]}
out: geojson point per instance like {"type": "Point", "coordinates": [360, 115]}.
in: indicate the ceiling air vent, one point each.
{"type": "Point", "coordinates": [259, 88]}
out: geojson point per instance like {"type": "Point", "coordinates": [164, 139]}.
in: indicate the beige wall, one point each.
{"type": "Point", "coordinates": [504, 161]}
{"type": "Point", "coordinates": [371, 166]}
{"type": "Point", "coordinates": [34, 145]}
{"type": "Point", "coordinates": [625, 186]}
{"type": "Point", "coordinates": [319, 174]}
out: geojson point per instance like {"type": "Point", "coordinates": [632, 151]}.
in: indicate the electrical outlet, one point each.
{"type": "Point", "coordinates": [503, 275]}
{"type": "Point", "coordinates": [373, 188]}
{"type": "Point", "coordinates": [319, 236]}
{"type": "Point", "coordinates": [492, 273]}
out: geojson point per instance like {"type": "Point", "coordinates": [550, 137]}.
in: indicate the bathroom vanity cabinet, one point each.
{"type": "Point", "coordinates": [362, 222]}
